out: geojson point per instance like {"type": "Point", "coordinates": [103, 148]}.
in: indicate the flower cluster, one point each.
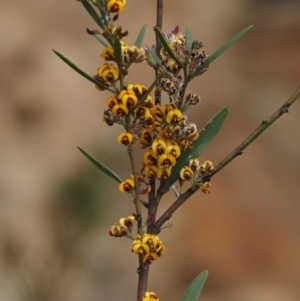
{"type": "Point", "coordinates": [194, 172]}
{"type": "Point", "coordinates": [124, 228]}
{"type": "Point", "coordinates": [148, 246]}
{"type": "Point", "coordinates": [163, 130]}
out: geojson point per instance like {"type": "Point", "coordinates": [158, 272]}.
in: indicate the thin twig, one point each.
{"type": "Point", "coordinates": [143, 272]}
{"type": "Point", "coordinates": [137, 201]}
{"type": "Point", "coordinates": [264, 125]}
{"type": "Point", "coordinates": [152, 201]}
{"type": "Point", "coordinates": [159, 21]}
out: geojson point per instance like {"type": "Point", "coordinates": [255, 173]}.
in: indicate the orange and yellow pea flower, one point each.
{"type": "Point", "coordinates": [205, 187]}
{"type": "Point", "coordinates": [127, 185]}
{"type": "Point", "coordinates": [139, 90]}
{"type": "Point", "coordinates": [120, 110]}
{"type": "Point", "coordinates": [128, 98]}
{"type": "Point", "coordinates": [118, 231]}
{"type": "Point", "coordinates": [150, 171]}
{"type": "Point", "coordinates": [108, 54]}
{"type": "Point", "coordinates": [206, 167]}
{"type": "Point", "coordinates": [173, 149]}
{"type": "Point", "coordinates": [159, 145]}
{"type": "Point", "coordinates": [108, 72]}
{"type": "Point", "coordinates": [194, 164]}
{"type": "Point", "coordinates": [116, 6]}
{"type": "Point", "coordinates": [127, 222]}
{"type": "Point", "coordinates": [126, 138]}
{"type": "Point", "coordinates": [150, 257]}
{"type": "Point", "coordinates": [163, 173]}
{"type": "Point", "coordinates": [166, 160]}
{"type": "Point", "coordinates": [150, 158]}
{"type": "Point", "coordinates": [146, 138]}
{"type": "Point", "coordinates": [186, 173]}
{"type": "Point", "coordinates": [150, 296]}
{"type": "Point", "coordinates": [142, 113]}
{"type": "Point", "coordinates": [112, 101]}
{"type": "Point", "coordinates": [173, 116]}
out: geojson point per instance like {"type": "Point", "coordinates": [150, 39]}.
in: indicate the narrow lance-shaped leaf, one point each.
{"type": "Point", "coordinates": [206, 135]}
{"type": "Point", "coordinates": [93, 13]}
{"type": "Point", "coordinates": [222, 49]}
{"type": "Point", "coordinates": [101, 39]}
{"type": "Point", "coordinates": [101, 166]}
{"type": "Point", "coordinates": [82, 73]}
{"type": "Point", "coordinates": [167, 47]}
{"type": "Point", "coordinates": [117, 51]}
{"type": "Point", "coordinates": [98, 36]}
{"type": "Point", "coordinates": [194, 290]}
{"type": "Point", "coordinates": [188, 37]}
{"type": "Point", "coordinates": [139, 40]}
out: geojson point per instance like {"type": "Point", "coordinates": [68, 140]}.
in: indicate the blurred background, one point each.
{"type": "Point", "coordinates": [56, 207]}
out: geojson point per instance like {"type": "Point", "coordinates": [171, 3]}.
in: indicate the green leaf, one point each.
{"type": "Point", "coordinates": [93, 13]}
{"type": "Point", "coordinates": [158, 61]}
{"type": "Point", "coordinates": [206, 135]}
{"type": "Point", "coordinates": [139, 40]}
{"type": "Point", "coordinates": [82, 73]}
{"type": "Point", "coordinates": [188, 37]}
{"type": "Point", "coordinates": [101, 39]}
{"type": "Point", "coordinates": [222, 49]}
{"type": "Point", "coordinates": [101, 166]}
{"type": "Point", "coordinates": [194, 290]}
{"type": "Point", "coordinates": [117, 50]}
{"type": "Point", "coordinates": [167, 47]}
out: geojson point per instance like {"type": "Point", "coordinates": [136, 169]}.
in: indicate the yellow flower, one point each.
{"type": "Point", "coordinates": [139, 248]}
{"type": "Point", "coordinates": [118, 231]}
{"type": "Point", "coordinates": [186, 173]}
{"type": "Point", "coordinates": [142, 113]}
{"type": "Point", "coordinates": [128, 98]}
{"type": "Point", "coordinates": [112, 101]}
{"type": "Point", "coordinates": [173, 149]}
{"type": "Point", "coordinates": [127, 222]}
{"type": "Point", "coordinates": [126, 186]}
{"type": "Point", "coordinates": [150, 157]}
{"type": "Point", "coordinates": [116, 6]}
{"type": "Point", "coordinates": [163, 173]}
{"type": "Point", "coordinates": [194, 164]}
{"type": "Point", "coordinates": [146, 138]}
{"type": "Point", "coordinates": [166, 160]}
{"type": "Point", "coordinates": [150, 296]}
{"type": "Point", "coordinates": [206, 167]}
{"type": "Point", "coordinates": [150, 257]}
{"type": "Point", "coordinates": [174, 116]}
{"type": "Point", "coordinates": [120, 110]}
{"type": "Point", "coordinates": [205, 187]}
{"type": "Point", "coordinates": [125, 138]}
{"type": "Point", "coordinates": [108, 72]}
{"type": "Point", "coordinates": [159, 145]}
{"type": "Point", "coordinates": [150, 170]}
{"type": "Point", "coordinates": [151, 240]}
{"type": "Point", "coordinates": [108, 53]}
{"type": "Point", "coordinates": [139, 90]}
